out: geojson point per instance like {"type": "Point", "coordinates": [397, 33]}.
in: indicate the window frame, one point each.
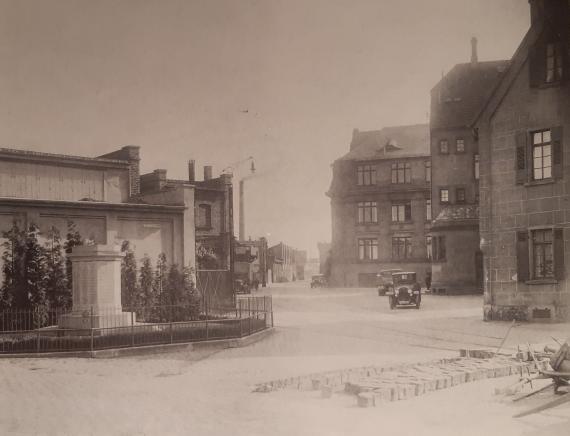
{"type": "Point", "coordinates": [441, 190]}
{"type": "Point", "coordinates": [366, 175]}
{"type": "Point", "coordinates": [367, 212]}
{"type": "Point", "coordinates": [427, 171]}
{"type": "Point", "coordinates": [403, 208]}
{"type": "Point", "coordinates": [557, 57]}
{"type": "Point", "coordinates": [541, 246]}
{"type": "Point", "coordinates": [402, 245]}
{"type": "Point", "coordinates": [460, 195]}
{"type": "Point", "coordinates": [542, 146]}
{"type": "Point", "coordinates": [403, 169]}
{"type": "Point", "coordinates": [367, 249]}
{"type": "Point", "coordinates": [476, 166]}
{"type": "Point", "coordinates": [441, 150]}
{"type": "Point", "coordinates": [205, 223]}
{"type": "Point", "coordinates": [457, 150]}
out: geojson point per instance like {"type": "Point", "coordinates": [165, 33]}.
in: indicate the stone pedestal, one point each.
{"type": "Point", "coordinates": [96, 289]}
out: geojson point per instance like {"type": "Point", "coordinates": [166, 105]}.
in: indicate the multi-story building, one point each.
{"type": "Point", "coordinates": [524, 140]}
{"type": "Point", "coordinates": [456, 100]}
{"type": "Point", "coordinates": [381, 205]}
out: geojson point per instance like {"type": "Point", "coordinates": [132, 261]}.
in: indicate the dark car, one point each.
{"type": "Point", "coordinates": [318, 281]}
{"type": "Point", "coordinates": [385, 280]}
{"type": "Point", "coordinates": [405, 290]}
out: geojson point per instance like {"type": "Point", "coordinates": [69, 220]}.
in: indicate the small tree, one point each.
{"type": "Point", "coordinates": [72, 239]}
{"type": "Point", "coordinates": [13, 292]}
{"type": "Point", "coordinates": [192, 295]}
{"type": "Point", "coordinates": [35, 269]}
{"type": "Point", "coordinates": [58, 292]}
{"type": "Point", "coordinates": [129, 285]}
{"type": "Point", "coordinates": [146, 284]}
{"type": "Point", "coordinates": [158, 285]}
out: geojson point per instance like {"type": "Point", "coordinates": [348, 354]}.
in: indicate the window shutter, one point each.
{"type": "Point", "coordinates": [537, 67]}
{"type": "Point", "coordinates": [523, 267]}
{"type": "Point", "coordinates": [557, 152]}
{"type": "Point", "coordinates": [559, 254]}
{"type": "Point", "coordinates": [521, 161]}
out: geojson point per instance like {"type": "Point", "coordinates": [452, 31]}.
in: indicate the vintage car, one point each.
{"type": "Point", "coordinates": [385, 280]}
{"type": "Point", "coordinates": [318, 281]}
{"type": "Point", "coordinates": [405, 290]}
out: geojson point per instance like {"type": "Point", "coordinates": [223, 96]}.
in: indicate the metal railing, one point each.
{"type": "Point", "coordinates": [32, 331]}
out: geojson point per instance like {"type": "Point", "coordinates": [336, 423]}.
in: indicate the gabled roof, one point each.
{"type": "Point", "coordinates": [389, 143]}
{"type": "Point", "coordinates": [458, 97]}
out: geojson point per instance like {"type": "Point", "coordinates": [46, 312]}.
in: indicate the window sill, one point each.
{"type": "Point", "coordinates": [540, 182]}
{"type": "Point", "coordinates": [542, 282]}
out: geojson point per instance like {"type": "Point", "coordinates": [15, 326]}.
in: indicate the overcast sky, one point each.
{"type": "Point", "coordinates": [284, 81]}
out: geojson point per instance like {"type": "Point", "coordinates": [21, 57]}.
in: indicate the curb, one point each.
{"type": "Point", "coordinates": [219, 344]}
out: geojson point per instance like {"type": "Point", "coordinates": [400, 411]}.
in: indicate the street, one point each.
{"type": "Point", "coordinates": [210, 392]}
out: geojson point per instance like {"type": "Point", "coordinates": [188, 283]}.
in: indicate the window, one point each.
{"type": "Point", "coordinates": [460, 145]}
{"type": "Point", "coordinates": [366, 175]}
{"type": "Point", "coordinates": [428, 170]}
{"type": "Point", "coordinates": [402, 247]}
{"type": "Point", "coordinates": [460, 195]}
{"type": "Point", "coordinates": [204, 218]}
{"type": "Point", "coordinates": [429, 253]}
{"type": "Point", "coordinates": [542, 254]}
{"type": "Point", "coordinates": [428, 209]}
{"type": "Point", "coordinates": [541, 155]}
{"type": "Point", "coordinates": [367, 212]}
{"type": "Point", "coordinates": [476, 166]}
{"type": "Point", "coordinates": [443, 146]}
{"type": "Point", "coordinates": [368, 249]}
{"type": "Point", "coordinates": [401, 212]}
{"type": "Point", "coordinates": [444, 195]}
{"type": "Point", "coordinates": [401, 172]}
{"type": "Point", "coordinates": [553, 62]}
{"type": "Point", "coordinates": [438, 248]}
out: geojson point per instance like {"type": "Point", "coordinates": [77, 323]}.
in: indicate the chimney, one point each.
{"type": "Point", "coordinates": [474, 57]}
{"type": "Point", "coordinates": [191, 170]}
{"type": "Point", "coordinates": [207, 172]}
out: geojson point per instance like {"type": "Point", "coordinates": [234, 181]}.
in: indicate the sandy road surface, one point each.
{"type": "Point", "coordinates": [209, 393]}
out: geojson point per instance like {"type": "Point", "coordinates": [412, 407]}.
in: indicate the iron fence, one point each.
{"type": "Point", "coordinates": [34, 331]}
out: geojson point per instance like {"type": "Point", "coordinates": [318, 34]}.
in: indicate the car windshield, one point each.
{"type": "Point", "coordinates": [404, 278]}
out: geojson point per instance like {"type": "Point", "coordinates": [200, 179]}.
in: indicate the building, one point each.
{"type": "Point", "coordinates": [456, 100]}
{"type": "Point", "coordinates": [381, 205]}
{"type": "Point", "coordinates": [109, 202]}
{"type": "Point", "coordinates": [250, 260]}
{"type": "Point", "coordinates": [324, 257]}
{"type": "Point", "coordinates": [524, 142]}
{"type": "Point", "coordinates": [286, 263]}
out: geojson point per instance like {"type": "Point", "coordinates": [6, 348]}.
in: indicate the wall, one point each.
{"type": "Point", "coordinates": [508, 207]}
{"type": "Point", "coordinates": [52, 182]}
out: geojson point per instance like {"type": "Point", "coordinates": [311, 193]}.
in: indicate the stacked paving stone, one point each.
{"type": "Point", "coordinates": [376, 385]}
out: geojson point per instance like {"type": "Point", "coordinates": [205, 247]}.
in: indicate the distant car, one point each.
{"type": "Point", "coordinates": [405, 290]}
{"type": "Point", "coordinates": [385, 280]}
{"type": "Point", "coordinates": [318, 281]}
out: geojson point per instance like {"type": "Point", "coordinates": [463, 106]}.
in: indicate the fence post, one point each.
{"type": "Point", "coordinates": [250, 316]}
{"type": "Point", "coordinates": [171, 337]}
{"type": "Point", "coordinates": [132, 328]}
{"type": "Point", "coordinates": [38, 335]}
{"type": "Point", "coordinates": [92, 339]}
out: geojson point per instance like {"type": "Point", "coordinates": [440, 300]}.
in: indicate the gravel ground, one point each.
{"type": "Point", "coordinates": [209, 392]}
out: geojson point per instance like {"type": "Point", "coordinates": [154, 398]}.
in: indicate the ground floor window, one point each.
{"type": "Point", "coordinates": [368, 249]}
{"type": "Point", "coordinates": [401, 247]}
{"type": "Point", "coordinates": [543, 254]}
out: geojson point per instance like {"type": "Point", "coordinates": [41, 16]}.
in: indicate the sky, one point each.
{"type": "Point", "coordinates": [284, 81]}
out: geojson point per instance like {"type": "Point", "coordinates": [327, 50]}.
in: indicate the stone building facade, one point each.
{"type": "Point", "coordinates": [108, 201]}
{"type": "Point", "coordinates": [456, 100]}
{"type": "Point", "coordinates": [524, 139]}
{"type": "Point", "coordinates": [381, 205]}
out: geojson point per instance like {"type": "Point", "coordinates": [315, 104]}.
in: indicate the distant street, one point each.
{"type": "Point", "coordinates": [210, 392]}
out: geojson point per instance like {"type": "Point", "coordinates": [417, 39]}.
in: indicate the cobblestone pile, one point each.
{"type": "Point", "coordinates": [376, 385]}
